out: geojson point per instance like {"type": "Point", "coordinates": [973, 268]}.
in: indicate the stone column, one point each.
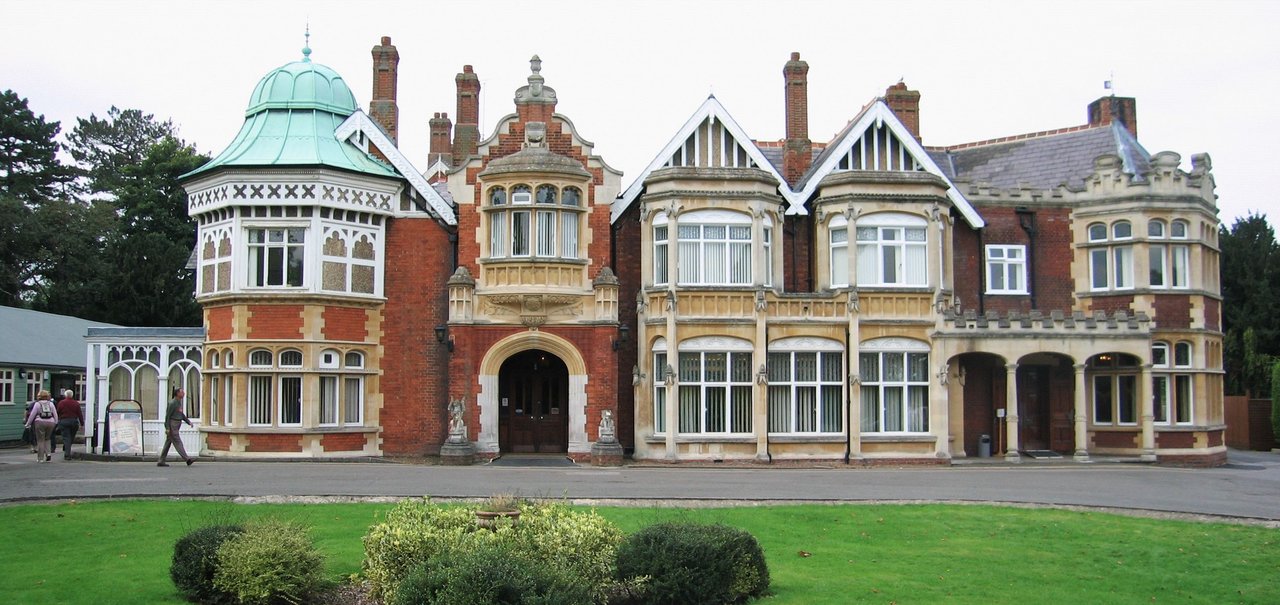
{"type": "Point", "coordinates": [1011, 413]}
{"type": "Point", "coordinates": [1148, 414]}
{"type": "Point", "coordinates": [1081, 415]}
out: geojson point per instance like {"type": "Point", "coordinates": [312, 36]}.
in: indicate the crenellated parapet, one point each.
{"type": "Point", "coordinates": [1056, 321]}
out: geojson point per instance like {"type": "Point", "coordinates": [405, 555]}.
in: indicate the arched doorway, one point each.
{"type": "Point", "coordinates": [1046, 408]}
{"type": "Point", "coordinates": [533, 403]}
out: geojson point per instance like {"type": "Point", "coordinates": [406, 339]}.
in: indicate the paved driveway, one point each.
{"type": "Point", "coordinates": [1248, 487]}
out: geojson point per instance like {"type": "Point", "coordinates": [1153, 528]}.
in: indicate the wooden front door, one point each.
{"type": "Point", "coordinates": [1033, 407]}
{"type": "Point", "coordinates": [533, 403]}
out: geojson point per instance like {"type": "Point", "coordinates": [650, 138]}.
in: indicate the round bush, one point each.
{"type": "Point", "coordinates": [495, 574]}
{"type": "Point", "coordinates": [694, 564]}
{"type": "Point", "coordinates": [195, 562]}
{"type": "Point", "coordinates": [270, 562]}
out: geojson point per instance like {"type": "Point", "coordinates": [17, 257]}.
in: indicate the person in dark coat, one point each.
{"type": "Point", "coordinates": [70, 418]}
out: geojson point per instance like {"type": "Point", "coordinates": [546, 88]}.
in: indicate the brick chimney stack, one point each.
{"type": "Point", "coordinates": [441, 147]}
{"type": "Point", "coordinates": [383, 109]}
{"type": "Point", "coordinates": [1115, 109]}
{"type": "Point", "coordinates": [798, 152]}
{"type": "Point", "coordinates": [466, 137]}
{"type": "Point", "coordinates": [905, 104]}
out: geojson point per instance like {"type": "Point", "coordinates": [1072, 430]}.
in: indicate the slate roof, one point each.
{"type": "Point", "coordinates": [1042, 161]}
{"type": "Point", "coordinates": [35, 339]}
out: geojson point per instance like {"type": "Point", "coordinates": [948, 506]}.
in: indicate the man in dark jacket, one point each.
{"type": "Point", "coordinates": [174, 416]}
{"type": "Point", "coordinates": [70, 417]}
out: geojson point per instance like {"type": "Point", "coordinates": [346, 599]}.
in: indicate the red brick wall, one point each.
{"type": "Point", "coordinates": [797, 254]}
{"type": "Point", "coordinates": [414, 385]}
{"type": "Point", "coordinates": [595, 343]}
{"type": "Point", "coordinates": [275, 321]}
{"type": "Point", "coordinates": [1172, 311]}
{"type": "Point", "coordinates": [1111, 304]}
{"type": "Point", "coordinates": [217, 441]}
{"type": "Point", "coordinates": [342, 442]}
{"type": "Point", "coordinates": [1049, 276]}
{"type": "Point", "coordinates": [1115, 440]}
{"type": "Point", "coordinates": [1212, 314]}
{"type": "Point", "coordinates": [626, 264]}
{"type": "Point", "coordinates": [219, 322]}
{"type": "Point", "coordinates": [343, 323]}
{"type": "Point", "coordinates": [1178, 440]}
{"type": "Point", "coordinates": [274, 443]}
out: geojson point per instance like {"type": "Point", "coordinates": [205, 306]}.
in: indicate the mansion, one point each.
{"type": "Point", "coordinates": [862, 300]}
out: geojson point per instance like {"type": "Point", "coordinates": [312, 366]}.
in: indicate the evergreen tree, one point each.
{"type": "Point", "coordinates": [104, 147]}
{"type": "Point", "coordinates": [1250, 274]}
{"type": "Point", "coordinates": [33, 185]}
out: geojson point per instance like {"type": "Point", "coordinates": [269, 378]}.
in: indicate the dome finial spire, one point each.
{"type": "Point", "coordinates": [306, 47]}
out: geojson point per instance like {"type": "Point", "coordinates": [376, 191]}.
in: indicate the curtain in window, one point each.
{"type": "Point", "coordinates": [546, 233]}
{"type": "Point", "coordinates": [498, 234]}
{"type": "Point", "coordinates": [779, 409]}
{"type": "Point", "coordinates": [1098, 268]}
{"type": "Point", "coordinates": [715, 265]}
{"type": "Point", "coordinates": [1179, 279]}
{"type": "Point", "coordinates": [1160, 398]}
{"type": "Point", "coordinates": [806, 409]}
{"type": "Point", "coordinates": [1126, 391]}
{"type": "Point", "coordinates": [259, 400]}
{"type": "Point", "coordinates": [215, 399]}
{"type": "Point", "coordinates": [660, 255]}
{"type": "Point", "coordinates": [520, 233]}
{"type": "Point", "coordinates": [832, 410]}
{"type": "Point", "coordinates": [840, 257]}
{"type": "Point", "coordinates": [868, 264]}
{"type": "Point", "coordinates": [569, 235]}
{"type": "Point", "coordinates": [328, 400]}
{"type": "Point", "coordinates": [1182, 399]}
{"type": "Point", "coordinates": [352, 412]}
{"type": "Point", "coordinates": [741, 411]}
{"type": "Point", "coordinates": [690, 409]}
{"type": "Point", "coordinates": [916, 265]}
{"type": "Point", "coordinates": [1124, 267]}
{"type": "Point", "coordinates": [740, 263]}
{"type": "Point", "coordinates": [690, 260]}
{"type": "Point", "coordinates": [917, 409]}
{"type": "Point", "coordinates": [1102, 399]}
{"type": "Point", "coordinates": [870, 409]}
{"type": "Point", "coordinates": [660, 409]}
{"type": "Point", "coordinates": [1156, 263]}
{"type": "Point", "coordinates": [291, 400]}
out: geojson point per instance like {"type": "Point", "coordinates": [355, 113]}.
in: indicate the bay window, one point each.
{"type": "Point", "coordinates": [277, 256]}
{"type": "Point", "coordinates": [894, 377]}
{"type": "Point", "coordinates": [1115, 388]}
{"type": "Point", "coordinates": [1110, 256]}
{"type": "Point", "coordinates": [715, 386]}
{"type": "Point", "coordinates": [550, 229]}
{"type": "Point", "coordinates": [1171, 390]}
{"type": "Point", "coordinates": [892, 251]}
{"type": "Point", "coordinates": [806, 387]}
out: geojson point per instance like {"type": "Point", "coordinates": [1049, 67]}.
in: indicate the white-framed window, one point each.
{"type": "Point", "coordinates": [342, 396]}
{"type": "Point", "coordinates": [660, 250]}
{"type": "Point", "coordinates": [1115, 389]}
{"type": "Point", "coordinates": [260, 358]}
{"type": "Point", "coordinates": [290, 358]}
{"type": "Point", "coordinates": [6, 387]}
{"type": "Point", "coordinates": [714, 248]}
{"type": "Point", "coordinates": [290, 400]}
{"type": "Point", "coordinates": [229, 359]}
{"type": "Point", "coordinates": [1169, 262]}
{"type": "Point", "coordinates": [261, 400]}
{"type": "Point", "coordinates": [228, 397]}
{"type": "Point", "coordinates": [806, 386]}
{"type": "Point", "coordinates": [1006, 269]}
{"type": "Point", "coordinates": [1179, 229]}
{"type": "Point", "coordinates": [838, 238]}
{"type": "Point", "coordinates": [552, 230]}
{"type": "Point", "coordinates": [277, 256]}
{"type": "Point", "coordinates": [894, 376]}
{"type": "Point", "coordinates": [714, 391]}
{"type": "Point", "coordinates": [1171, 392]}
{"type": "Point", "coordinates": [35, 382]}
{"type": "Point", "coordinates": [892, 250]}
{"type": "Point", "coordinates": [767, 241]}
{"type": "Point", "coordinates": [215, 399]}
{"type": "Point", "coordinates": [1111, 258]}
{"type": "Point", "coordinates": [662, 372]}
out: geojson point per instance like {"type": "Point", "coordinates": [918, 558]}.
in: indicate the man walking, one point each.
{"type": "Point", "coordinates": [69, 420]}
{"type": "Point", "coordinates": [174, 416]}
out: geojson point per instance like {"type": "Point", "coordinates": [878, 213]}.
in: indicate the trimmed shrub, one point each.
{"type": "Point", "coordinates": [694, 564]}
{"type": "Point", "coordinates": [575, 544]}
{"type": "Point", "coordinates": [195, 562]}
{"type": "Point", "coordinates": [1275, 403]}
{"type": "Point", "coordinates": [494, 574]}
{"type": "Point", "coordinates": [270, 562]}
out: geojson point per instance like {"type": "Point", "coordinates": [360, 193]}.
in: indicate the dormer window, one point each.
{"type": "Point", "coordinates": [548, 230]}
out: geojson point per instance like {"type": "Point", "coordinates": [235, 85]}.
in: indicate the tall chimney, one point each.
{"type": "Point", "coordinates": [1115, 109]}
{"type": "Point", "coordinates": [466, 137]}
{"type": "Point", "coordinates": [905, 104]}
{"type": "Point", "coordinates": [383, 109]}
{"type": "Point", "coordinates": [798, 152]}
{"type": "Point", "coordinates": [441, 148]}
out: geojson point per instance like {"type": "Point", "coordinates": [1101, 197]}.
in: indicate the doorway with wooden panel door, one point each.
{"type": "Point", "coordinates": [533, 403]}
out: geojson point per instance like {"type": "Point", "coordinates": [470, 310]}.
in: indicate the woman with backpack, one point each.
{"type": "Point", "coordinates": [42, 420]}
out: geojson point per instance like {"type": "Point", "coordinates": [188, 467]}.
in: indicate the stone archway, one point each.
{"type": "Point", "coordinates": [488, 398]}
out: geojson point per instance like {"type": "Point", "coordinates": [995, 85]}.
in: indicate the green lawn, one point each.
{"type": "Point", "coordinates": [119, 551]}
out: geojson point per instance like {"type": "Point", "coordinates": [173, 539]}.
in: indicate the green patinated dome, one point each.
{"type": "Point", "coordinates": [290, 120]}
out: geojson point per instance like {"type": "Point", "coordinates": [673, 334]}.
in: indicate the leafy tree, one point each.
{"type": "Point", "coordinates": [1275, 403]}
{"type": "Point", "coordinates": [150, 284]}
{"type": "Point", "coordinates": [104, 147]}
{"type": "Point", "coordinates": [1250, 272]}
{"type": "Point", "coordinates": [32, 182]}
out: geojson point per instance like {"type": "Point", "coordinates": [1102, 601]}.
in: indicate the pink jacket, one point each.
{"type": "Point", "coordinates": [34, 415]}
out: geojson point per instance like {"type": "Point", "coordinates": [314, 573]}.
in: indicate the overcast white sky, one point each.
{"type": "Point", "coordinates": [630, 73]}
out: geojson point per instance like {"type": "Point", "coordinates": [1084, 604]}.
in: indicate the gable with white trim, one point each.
{"type": "Point", "coordinates": [359, 123]}
{"type": "Point", "coordinates": [710, 138]}
{"type": "Point", "coordinates": [877, 140]}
